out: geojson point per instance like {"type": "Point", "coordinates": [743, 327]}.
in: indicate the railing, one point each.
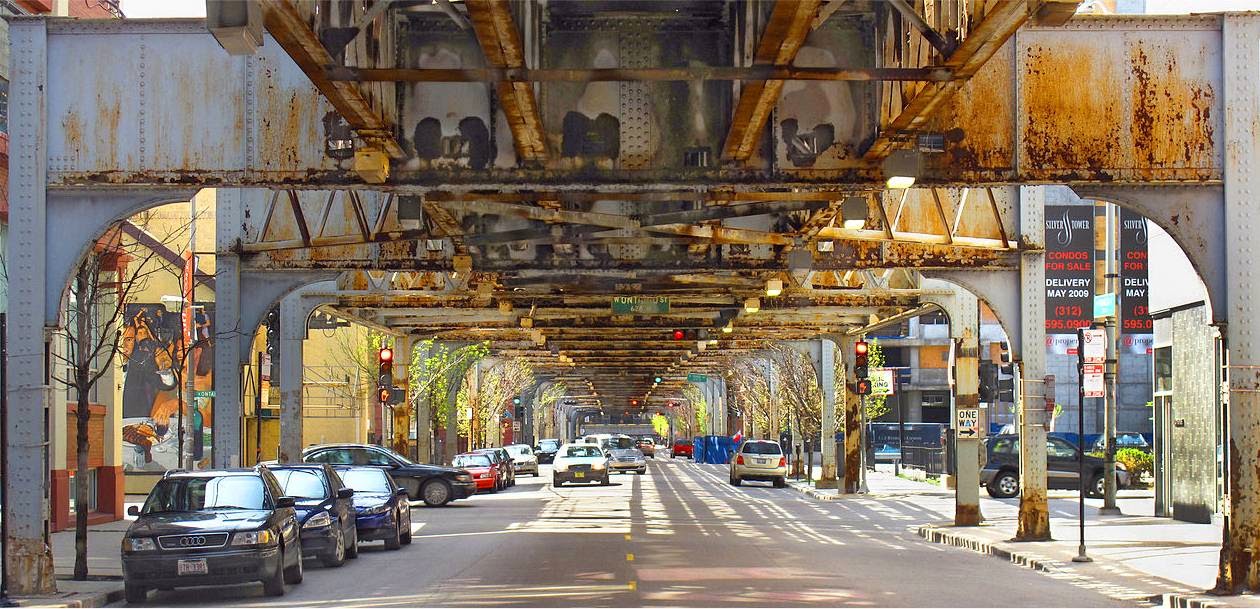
{"type": "Point", "coordinates": [930, 459]}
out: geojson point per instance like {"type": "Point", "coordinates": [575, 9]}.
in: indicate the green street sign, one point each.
{"type": "Point", "coordinates": [696, 378]}
{"type": "Point", "coordinates": [203, 394]}
{"type": "Point", "coordinates": [634, 305]}
{"type": "Point", "coordinates": [1104, 305]}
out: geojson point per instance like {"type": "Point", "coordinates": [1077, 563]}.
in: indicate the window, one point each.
{"type": "Point", "coordinates": [193, 494]}
{"type": "Point", "coordinates": [471, 461]}
{"type": "Point", "coordinates": [301, 483]}
{"type": "Point", "coordinates": [335, 456]}
{"type": "Point", "coordinates": [1056, 448]}
{"type": "Point", "coordinates": [91, 498]}
{"type": "Point", "coordinates": [1163, 369]}
{"type": "Point", "coordinates": [362, 456]}
{"type": "Point", "coordinates": [760, 448]}
{"type": "Point", "coordinates": [1005, 446]}
{"type": "Point", "coordinates": [583, 451]}
{"type": "Point", "coordinates": [935, 400]}
{"type": "Point", "coordinates": [366, 480]}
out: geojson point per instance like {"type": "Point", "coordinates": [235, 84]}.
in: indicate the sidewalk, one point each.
{"type": "Point", "coordinates": [105, 584]}
{"type": "Point", "coordinates": [1136, 555]}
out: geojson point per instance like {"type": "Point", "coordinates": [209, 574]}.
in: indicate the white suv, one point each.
{"type": "Point", "coordinates": [759, 460]}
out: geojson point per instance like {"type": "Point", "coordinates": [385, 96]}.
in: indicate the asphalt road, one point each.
{"type": "Point", "coordinates": [679, 536]}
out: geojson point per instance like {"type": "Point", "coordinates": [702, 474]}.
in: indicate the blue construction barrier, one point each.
{"type": "Point", "coordinates": [697, 449]}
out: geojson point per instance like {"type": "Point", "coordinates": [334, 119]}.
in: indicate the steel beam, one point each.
{"type": "Point", "coordinates": [285, 23]}
{"type": "Point", "coordinates": [674, 74]}
{"type": "Point", "coordinates": [981, 43]}
{"type": "Point", "coordinates": [501, 43]}
{"type": "Point", "coordinates": [1034, 510]}
{"type": "Point", "coordinates": [790, 22]}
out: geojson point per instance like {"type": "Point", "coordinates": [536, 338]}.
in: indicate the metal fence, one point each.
{"type": "Point", "coordinates": [930, 459]}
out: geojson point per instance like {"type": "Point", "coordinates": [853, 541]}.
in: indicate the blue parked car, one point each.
{"type": "Point", "coordinates": [382, 510]}
{"type": "Point", "coordinates": [325, 510]}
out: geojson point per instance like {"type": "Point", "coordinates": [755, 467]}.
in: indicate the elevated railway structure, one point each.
{"type": "Point", "coordinates": [510, 171]}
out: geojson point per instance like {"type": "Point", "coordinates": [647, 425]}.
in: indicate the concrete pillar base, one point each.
{"type": "Point", "coordinates": [1112, 511]}
{"type": "Point", "coordinates": [949, 481]}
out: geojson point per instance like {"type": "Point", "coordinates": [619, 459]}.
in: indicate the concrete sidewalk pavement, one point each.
{"type": "Point", "coordinates": [1136, 550]}
{"type": "Point", "coordinates": [105, 583]}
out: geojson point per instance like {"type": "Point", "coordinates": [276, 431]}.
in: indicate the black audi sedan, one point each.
{"type": "Point", "coordinates": [546, 450]}
{"type": "Point", "coordinates": [433, 484]}
{"type": "Point", "coordinates": [325, 510]}
{"type": "Point", "coordinates": [213, 527]}
{"type": "Point", "coordinates": [381, 507]}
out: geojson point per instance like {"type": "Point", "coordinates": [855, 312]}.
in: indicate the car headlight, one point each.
{"type": "Point", "coordinates": [463, 478]}
{"type": "Point", "coordinates": [321, 519]}
{"type": "Point", "coordinates": [560, 467]}
{"type": "Point", "coordinates": [599, 465]}
{"type": "Point", "coordinates": [253, 538]}
{"type": "Point", "coordinates": [380, 509]}
{"type": "Point", "coordinates": [138, 544]}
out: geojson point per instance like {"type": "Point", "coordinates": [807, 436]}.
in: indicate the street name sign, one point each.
{"type": "Point", "coordinates": [968, 423]}
{"type": "Point", "coordinates": [1104, 306]}
{"type": "Point", "coordinates": [635, 305]}
{"type": "Point", "coordinates": [692, 377]}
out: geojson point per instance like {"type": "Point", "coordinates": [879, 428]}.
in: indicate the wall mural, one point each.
{"type": "Point", "coordinates": [152, 351]}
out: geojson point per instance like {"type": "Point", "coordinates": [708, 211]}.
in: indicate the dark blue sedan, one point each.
{"type": "Point", "coordinates": [382, 510]}
{"type": "Point", "coordinates": [325, 509]}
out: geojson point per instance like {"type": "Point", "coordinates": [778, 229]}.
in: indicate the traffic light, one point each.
{"type": "Point", "coordinates": [516, 401]}
{"type": "Point", "coordinates": [387, 366]}
{"type": "Point", "coordinates": [634, 402]}
{"type": "Point", "coordinates": [679, 334]}
{"type": "Point", "coordinates": [386, 394]}
{"type": "Point", "coordinates": [860, 357]}
{"type": "Point", "coordinates": [657, 379]}
{"type": "Point", "coordinates": [862, 387]}
{"type": "Point", "coordinates": [520, 412]}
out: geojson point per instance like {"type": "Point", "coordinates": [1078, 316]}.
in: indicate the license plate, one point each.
{"type": "Point", "coordinates": [579, 474]}
{"type": "Point", "coordinates": [761, 461]}
{"type": "Point", "coordinates": [195, 566]}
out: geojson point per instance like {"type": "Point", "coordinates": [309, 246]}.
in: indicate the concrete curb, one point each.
{"type": "Point", "coordinates": [935, 534]}
{"type": "Point", "coordinates": [812, 492]}
{"type": "Point", "coordinates": [92, 599]}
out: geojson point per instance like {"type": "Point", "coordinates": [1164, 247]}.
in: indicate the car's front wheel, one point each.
{"type": "Point", "coordinates": [394, 541]}
{"type": "Point", "coordinates": [293, 575]}
{"type": "Point", "coordinates": [135, 595]}
{"type": "Point", "coordinates": [1004, 485]}
{"type": "Point", "coordinates": [436, 493]}
{"type": "Point", "coordinates": [1097, 488]}
{"type": "Point", "coordinates": [405, 538]}
{"type": "Point", "coordinates": [336, 556]}
{"type": "Point", "coordinates": [274, 585]}
{"type": "Point", "coordinates": [352, 549]}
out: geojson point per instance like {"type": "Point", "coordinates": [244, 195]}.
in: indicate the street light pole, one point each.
{"type": "Point", "coordinates": [1080, 441]}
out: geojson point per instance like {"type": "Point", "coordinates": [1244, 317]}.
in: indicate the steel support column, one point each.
{"type": "Point", "coordinates": [403, 412]}
{"type": "Point", "coordinates": [852, 458]}
{"type": "Point", "coordinates": [228, 407]}
{"type": "Point", "coordinates": [1240, 548]}
{"type": "Point", "coordinates": [424, 415]}
{"type": "Point", "coordinates": [822, 354]}
{"type": "Point", "coordinates": [1034, 511]}
{"type": "Point", "coordinates": [295, 309]}
{"type": "Point", "coordinates": [29, 561]}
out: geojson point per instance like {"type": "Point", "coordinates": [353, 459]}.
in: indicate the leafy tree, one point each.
{"type": "Point", "coordinates": [876, 405]}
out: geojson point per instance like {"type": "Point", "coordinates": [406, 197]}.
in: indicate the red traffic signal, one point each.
{"type": "Point", "coordinates": [860, 347]}
{"type": "Point", "coordinates": [387, 355]}
{"type": "Point", "coordinates": [679, 335]}
{"type": "Point", "coordinates": [634, 402]}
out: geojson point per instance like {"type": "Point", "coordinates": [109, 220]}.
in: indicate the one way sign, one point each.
{"type": "Point", "coordinates": [968, 422]}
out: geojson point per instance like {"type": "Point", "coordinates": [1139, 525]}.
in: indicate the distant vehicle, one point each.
{"type": "Point", "coordinates": [647, 446]}
{"type": "Point", "coordinates": [759, 460]}
{"type": "Point", "coordinates": [523, 459]}
{"type": "Point", "coordinates": [210, 528]}
{"type": "Point", "coordinates": [1000, 475]}
{"type": "Point", "coordinates": [325, 510]}
{"type": "Point", "coordinates": [506, 467]}
{"type": "Point", "coordinates": [434, 484]}
{"type": "Point", "coordinates": [580, 463]}
{"type": "Point", "coordinates": [546, 450]}
{"type": "Point", "coordinates": [682, 448]}
{"type": "Point", "coordinates": [484, 471]}
{"type": "Point", "coordinates": [1127, 439]}
{"type": "Point", "coordinates": [381, 507]}
{"type": "Point", "coordinates": [624, 457]}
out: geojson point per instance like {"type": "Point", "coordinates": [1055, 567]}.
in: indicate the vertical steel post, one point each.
{"type": "Point", "coordinates": [4, 475]}
{"type": "Point", "coordinates": [825, 365]}
{"type": "Point", "coordinates": [1034, 511]}
{"type": "Point", "coordinates": [1111, 405]}
{"type": "Point", "coordinates": [227, 407]}
{"type": "Point", "coordinates": [1240, 549]}
{"type": "Point", "coordinates": [292, 334]}
{"type": "Point", "coordinates": [29, 560]}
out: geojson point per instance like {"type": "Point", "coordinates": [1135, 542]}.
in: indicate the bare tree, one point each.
{"type": "Point", "coordinates": [105, 281]}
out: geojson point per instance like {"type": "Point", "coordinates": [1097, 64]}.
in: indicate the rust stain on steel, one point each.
{"type": "Point", "coordinates": [967, 515]}
{"type": "Point", "coordinates": [852, 440]}
{"type": "Point", "coordinates": [1172, 116]}
{"type": "Point", "coordinates": [1034, 516]}
{"type": "Point", "coordinates": [1139, 118]}
{"type": "Point", "coordinates": [1239, 569]}
{"type": "Point", "coordinates": [987, 116]}
{"type": "Point", "coordinates": [1070, 125]}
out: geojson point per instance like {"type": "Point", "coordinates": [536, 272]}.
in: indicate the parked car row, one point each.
{"type": "Point", "coordinates": [235, 526]}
